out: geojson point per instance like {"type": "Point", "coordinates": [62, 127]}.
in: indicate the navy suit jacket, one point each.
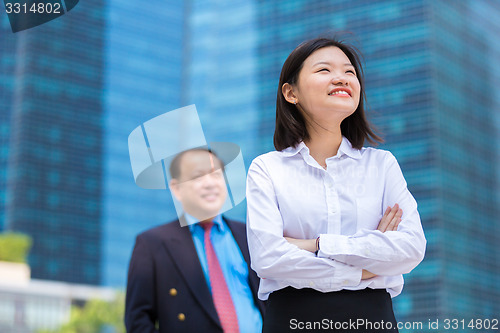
{"type": "Point", "coordinates": [166, 284]}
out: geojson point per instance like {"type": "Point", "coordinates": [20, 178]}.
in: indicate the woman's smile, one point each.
{"type": "Point", "coordinates": [340, 92]}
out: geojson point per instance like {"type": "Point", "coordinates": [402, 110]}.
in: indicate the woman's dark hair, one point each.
{"type": "Point", "coordinates": [290, 123]}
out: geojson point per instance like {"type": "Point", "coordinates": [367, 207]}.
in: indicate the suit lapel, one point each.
{"type": "Point", "coordinates": [240, 237]}
{"type": "Point", "coordinates": [181, 247]}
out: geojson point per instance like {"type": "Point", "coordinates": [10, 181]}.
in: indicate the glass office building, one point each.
{"type": "Point", "coordinates": [143, 70]}
{"type": "Point", "coordinates": [7, 72]}
{"type": "Point", "coordinates": [465, 74]}
{"type": "Point", "coordinates": [52, 181]}
{"type": "Point", "coordinates": [221, 74]}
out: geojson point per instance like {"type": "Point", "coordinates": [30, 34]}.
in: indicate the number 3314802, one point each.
{"type": "Point", "coordinates": [475, 324]}
{"type": "Point", "coordinates": [35, 8]}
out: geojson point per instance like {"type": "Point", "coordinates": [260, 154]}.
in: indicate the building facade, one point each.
{"type": "Point", "coordinates": [143, 62]}
{"type": "Point", "coordinates": [52, 179]}
{"type": "Point", "coordinates": [220, 74]}
{"type": "Point", "coordinates": [7, 79]}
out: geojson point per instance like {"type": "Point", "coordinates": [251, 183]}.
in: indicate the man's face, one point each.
{"type": "Point", "coordinates": [201, 187]}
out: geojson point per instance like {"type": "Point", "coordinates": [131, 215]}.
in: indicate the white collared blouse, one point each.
{"type": "Point", "coordinates": [290, 195]}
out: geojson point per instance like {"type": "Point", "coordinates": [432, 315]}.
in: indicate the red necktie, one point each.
{"type": "Point", "coordinates": [220, 292]}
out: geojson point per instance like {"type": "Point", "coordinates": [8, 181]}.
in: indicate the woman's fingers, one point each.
{"type": "Point", "coordinates": [367, 275]}
{"type": "Point", "coordinates": [387, 211]}
{"type": "Point", "coordinates": [383, 222]}
{"type": "Point", "coordinates": [393, 225]}
{"type": "Point", "coordinates": [390, 219]}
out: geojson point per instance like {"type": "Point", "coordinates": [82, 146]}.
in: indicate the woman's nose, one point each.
{"type": "Point", "coordinates": [340, 79]}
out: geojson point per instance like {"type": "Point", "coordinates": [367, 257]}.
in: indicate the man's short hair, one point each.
{"type": "Point", "coordinates": [175, 165]}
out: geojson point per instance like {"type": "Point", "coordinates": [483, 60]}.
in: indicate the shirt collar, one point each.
{"type": "Point", "coordinates": [294, 150]}
{"type": "Point", "coordinates": [194, 223]}
{"type": "Point", "coordinates": [345, 148]}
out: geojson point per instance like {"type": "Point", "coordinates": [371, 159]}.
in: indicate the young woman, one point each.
{"type": "Point", "coordinates": [331, 225]}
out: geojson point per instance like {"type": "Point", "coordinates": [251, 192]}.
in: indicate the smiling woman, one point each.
{"type": "Point", "coordinates": [327, 81]}
{"type": "Point", "coordinates": [326, 230]}
{"type": "Point", "coordinates": [337, 66]}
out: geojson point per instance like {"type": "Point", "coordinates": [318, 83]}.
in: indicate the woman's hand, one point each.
{"type": "Point", "coordinates": [367, 275]}
{"type": "Point", "coordinates": [310, 245]}
{"type": "Point", "coordinates": [390, 220]}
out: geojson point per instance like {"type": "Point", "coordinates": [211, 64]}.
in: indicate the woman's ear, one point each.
{"type": "Point", "coordinates": [289, 94]}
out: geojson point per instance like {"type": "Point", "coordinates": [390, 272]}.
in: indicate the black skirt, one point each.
{"type": "Point", "coordinates": [309, 310]}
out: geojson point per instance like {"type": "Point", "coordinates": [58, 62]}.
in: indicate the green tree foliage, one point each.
{"type": "Point", "coordinates": [14, 247]}
{"type": "Point", "coordinates": [97, 316]}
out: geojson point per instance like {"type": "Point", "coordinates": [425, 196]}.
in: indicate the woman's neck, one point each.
{"type": "Point", "coordinates": [323, 143]}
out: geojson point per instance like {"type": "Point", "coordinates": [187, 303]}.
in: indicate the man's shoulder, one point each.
{"type": "Point", "coordinates": [162, 230]}
{"type": "Point", "coordinates": [238, 228]}
{"type": "Point", "coordinates": [170, 228]}
{"type": "Point", "coordinates": [235, 223]}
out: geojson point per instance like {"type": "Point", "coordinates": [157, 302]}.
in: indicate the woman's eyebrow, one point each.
{"type": "Point", "coordinates": [328, 63]}
{"type": "Point", "coordinates": [322, 63]}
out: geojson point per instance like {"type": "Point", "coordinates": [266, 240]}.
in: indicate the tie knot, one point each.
{"type": "Point", "coordinates": [207, 226]}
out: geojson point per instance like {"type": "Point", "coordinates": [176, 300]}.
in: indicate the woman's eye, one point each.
{"type": "Point", "coordinates": [351, 71]}
{"type": "Point", "coordinates": [323, 69]}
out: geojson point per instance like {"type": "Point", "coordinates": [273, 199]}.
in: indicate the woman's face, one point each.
{"type": "Point", "coordinates": [327, 86]}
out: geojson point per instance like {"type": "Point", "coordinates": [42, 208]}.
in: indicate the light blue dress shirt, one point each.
{"type": "Point", "coordinates": [233, 267]}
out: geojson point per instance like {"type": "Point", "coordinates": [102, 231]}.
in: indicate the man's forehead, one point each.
{"type": "Point", "coordinates": [201, 159]}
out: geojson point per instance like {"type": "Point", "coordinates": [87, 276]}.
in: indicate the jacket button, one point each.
{"type": "Point", "coordinates": [173, 292]}
{"type": "Point", "coordinates": [181, 316]}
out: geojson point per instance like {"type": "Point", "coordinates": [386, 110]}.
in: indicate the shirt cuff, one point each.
{"type": "Point", "coordinates": [334, 247]}
{"type": "Point", "coordinates": [345, 277]}
{"type": "Point", "coordinates": [351, 276]}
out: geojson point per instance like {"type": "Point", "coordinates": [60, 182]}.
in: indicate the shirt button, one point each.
{"type": "Point", "coordinates": [173, 292]}
{"type": "Point", "coordinates": [311, 284]}
{"type": "Point", "coordinates": [345, 282]}
{"type": "Point", "coordinates": [181, 316]}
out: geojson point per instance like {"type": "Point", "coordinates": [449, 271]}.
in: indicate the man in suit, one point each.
{"type": "Point", "coordinates": [194, 278]}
